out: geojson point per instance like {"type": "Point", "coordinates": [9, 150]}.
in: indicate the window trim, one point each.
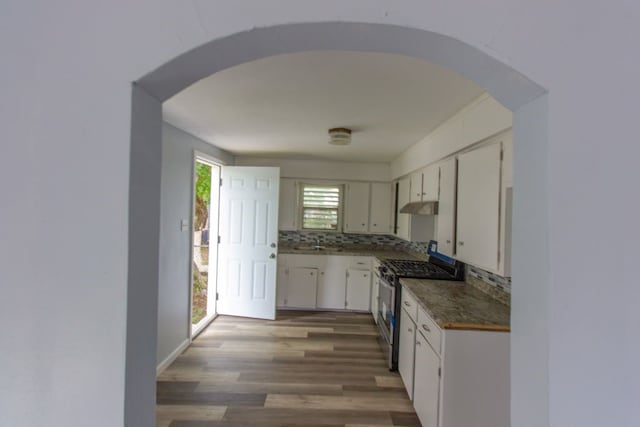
{"type": "Point", "coordinates": [341, 192]}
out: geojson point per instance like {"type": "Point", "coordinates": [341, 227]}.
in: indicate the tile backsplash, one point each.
{"type": "Point", "coordinates": [291, 238]}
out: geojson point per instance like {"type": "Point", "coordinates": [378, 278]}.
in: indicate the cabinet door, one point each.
{"type": "Point", "coordinates": [380, 216]}
{"type": "Point", "coordinates": [403, 218]}
{"type": "Point", "coordinates": [415, 183]}
{"type": "Point", "coordinates": [406, 351]}
{"type": "Point", "coordinates": [430, 182]}
{"type": "Point", "coordinates": [426, 385]}
{"type": "Point", "coordinates": [333, 282]}
{"type": "Point", "coordinates": [287, 211]}
{"type": "Point", "coordinates": [356, 216]}
{"type": "Point", "coordinates": [478, 207]}
{"type": "Point", "coordinates": [447, 208]}
{"type": "Point", "coordinates": [281, 285]}
{"type": "Point", "coordinates": [302, 286]}
{"type": "Point", "coordinates": [358, 289]}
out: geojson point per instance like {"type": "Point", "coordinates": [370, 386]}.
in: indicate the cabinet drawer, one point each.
{"type": "Point", "coordinates": [360, 263]}
{"type": "Point", "coordinates": [410, 304]}
{"type": "Point", "coordinates": [429, 329]}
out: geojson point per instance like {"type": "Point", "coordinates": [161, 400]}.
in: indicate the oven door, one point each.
{"type": "Point", "coordinates": [386, 308]}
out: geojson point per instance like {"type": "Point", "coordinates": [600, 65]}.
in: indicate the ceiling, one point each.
{"type": "Point", "coordinates": [283, 106]}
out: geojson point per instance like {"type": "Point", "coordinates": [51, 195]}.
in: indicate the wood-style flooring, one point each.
{"type": "Point", "coordinates": [303, 369]}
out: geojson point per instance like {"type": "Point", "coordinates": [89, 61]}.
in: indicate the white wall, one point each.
{"type": "Point", "coordinates": [64, 181]}
{"type": "Point", "coordinates": [479, 120]}
{"type": "Point", "coordinates": [174, 275]}
{"type": "Point", "coordinates": [321, 169]}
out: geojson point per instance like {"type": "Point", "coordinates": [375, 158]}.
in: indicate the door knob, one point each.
{"type": "Point", "coordinates": [273, 245]}
{"type": "Point", "coordinates": [272, 256]}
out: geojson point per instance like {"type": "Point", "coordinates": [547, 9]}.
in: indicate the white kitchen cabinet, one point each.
{"type": "Point", "coordinates": [402, 220]}
{"type": "Point", "coordinates": [424, 184]}
{"type": "Point", "coordinates": [356, 207]}
{"type": "Point", "coordinates": [446, 220]}
{"type": "Point", "coordinates": [322, 282]}
{"type": "Point", "coordinates": [282, 281]}
{"type": "Point", "coordinates": [333, 282]}
{"type": "Point", "coordinates": [460, 377]}
{"type": "Point", "coordinates": [478, 211]}
{"type": "Point", "coordinates": [288, 206]}
{"type": "Point", "coordinates": [381, 208]}
{"type": "Point", "coordinates": [426, 386]}
{"type": "Point", "coordinates": [406, 351]}
{"type": "Point", "coordinates": [415, 182]}
{"type": "Point", "coordinates": [358, 290]}
{"type": "Point", "coordinates": [302, 287]}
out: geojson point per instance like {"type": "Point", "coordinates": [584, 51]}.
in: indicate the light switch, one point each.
{"type": "Point", "coordinates": [184, 225]}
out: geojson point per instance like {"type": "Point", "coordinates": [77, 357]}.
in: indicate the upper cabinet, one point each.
{"type": "Point", "coordinates": [415, 228]}
{"type": "Point", "coordinates": [478, 211]}
{"type": "Point", "coordinates": [446, 221]}
{"type": "Point", "coordinates": [380, 218]}
{"type": "Point", "coordinates": [288, 209]}
{"type": "Point", "coordinates": [356, 207]}
{"type": "Point", "coordinates": [402, 220]}
{"type": "Point", "coordinates": [424, 184]}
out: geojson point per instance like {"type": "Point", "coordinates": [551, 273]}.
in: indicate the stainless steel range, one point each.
{"type": "Point", "coordinates": [389, 294]}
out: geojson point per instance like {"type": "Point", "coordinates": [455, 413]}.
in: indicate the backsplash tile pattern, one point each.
{"type": "Point", "coordinates": [291, 238]}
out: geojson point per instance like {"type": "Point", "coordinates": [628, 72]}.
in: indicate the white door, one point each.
{"type": "Point", "coordinates": [248, 241]}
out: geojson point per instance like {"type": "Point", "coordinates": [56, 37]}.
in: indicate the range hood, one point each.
{"type": "Point", "coordinates": [420, 208]}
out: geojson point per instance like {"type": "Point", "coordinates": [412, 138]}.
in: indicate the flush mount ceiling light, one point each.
{"type": "Point", "coordinates": [339, 136]}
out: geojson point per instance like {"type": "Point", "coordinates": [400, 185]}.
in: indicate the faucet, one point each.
{"type": "Point", "coordinates": [318, 243]}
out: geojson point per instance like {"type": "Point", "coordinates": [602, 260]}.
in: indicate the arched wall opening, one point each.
{"type": "Point", "coordinates": [529, 348]}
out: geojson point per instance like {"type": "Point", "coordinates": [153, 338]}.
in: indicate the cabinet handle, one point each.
{"type": "Point", "coordinates": [418, 343]}
{"type": "Point", "coordinates": [363, 224]}
{"type": "Point", "coordinates": [448, 241]}
{"type": "Point", "coordinates": [322, 273]}
{"type": "Point", "coordinates": [410, 330]}
{"type": "Point", "coordinates": [426, 328]}
{"type": "Point", "coordinates": [407, 304]}
{"type": "Point", "coordinates": [424, 194]}
{"type": "Point", "coordinates": [375, 225]}
{"type": "Point", "coordinates": [460, 242]}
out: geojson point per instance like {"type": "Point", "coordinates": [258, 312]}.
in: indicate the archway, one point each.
{"type": "Point", "coordinates": [512, 89]}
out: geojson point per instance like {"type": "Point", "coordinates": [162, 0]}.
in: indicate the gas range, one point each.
{"type": "Point", "coordinates": [390, 294]}
{"type": "Point", "coordinates": [436, 269]}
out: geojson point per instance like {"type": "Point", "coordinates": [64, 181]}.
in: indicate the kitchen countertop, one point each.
{"type": "Point", "coordinates": [458, 305]}
{"type": "Point", "coordinates": [381, 255]}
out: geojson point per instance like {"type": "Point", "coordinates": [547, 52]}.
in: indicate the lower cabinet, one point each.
{"type": "Point", "coordinates": [426, 386]}
{"type": "Point", "coordinates": [455, 377]}
{"type": "Point", "coordinates": [328, 282]}
{"type": "Point", "coordinates": [358, 290]}
{"type": "Point", "coordinates": [303, 287]}
{"type": "Point", "coordinates": [332, 285]}
{"type": "Point", "coordinates": [407, 351]}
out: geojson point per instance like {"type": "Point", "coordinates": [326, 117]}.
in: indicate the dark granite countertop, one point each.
{"type": "Point", "coordinates": [458, 305]}
{"type": "Point", "coordinates": [380, 254]}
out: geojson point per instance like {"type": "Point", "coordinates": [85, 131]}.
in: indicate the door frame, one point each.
{"type": "Point", "coordinates": [213, 161]}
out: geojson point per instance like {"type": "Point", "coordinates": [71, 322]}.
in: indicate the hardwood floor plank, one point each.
{"type": "Point", "coordinates": [312, 369]}
{"type": "Point", "coordinates": [336, 402]}
{"type": "Point", "coordinates": [167, 413]}
{"type": "Point", "coordinates": [305, 417]}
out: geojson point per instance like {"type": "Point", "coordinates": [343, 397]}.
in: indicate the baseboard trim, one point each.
{"type": "Point", "coordinates": [173, 356]}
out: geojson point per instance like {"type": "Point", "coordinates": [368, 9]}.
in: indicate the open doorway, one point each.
{"type": "Point", "coordinates": [204, 250]}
